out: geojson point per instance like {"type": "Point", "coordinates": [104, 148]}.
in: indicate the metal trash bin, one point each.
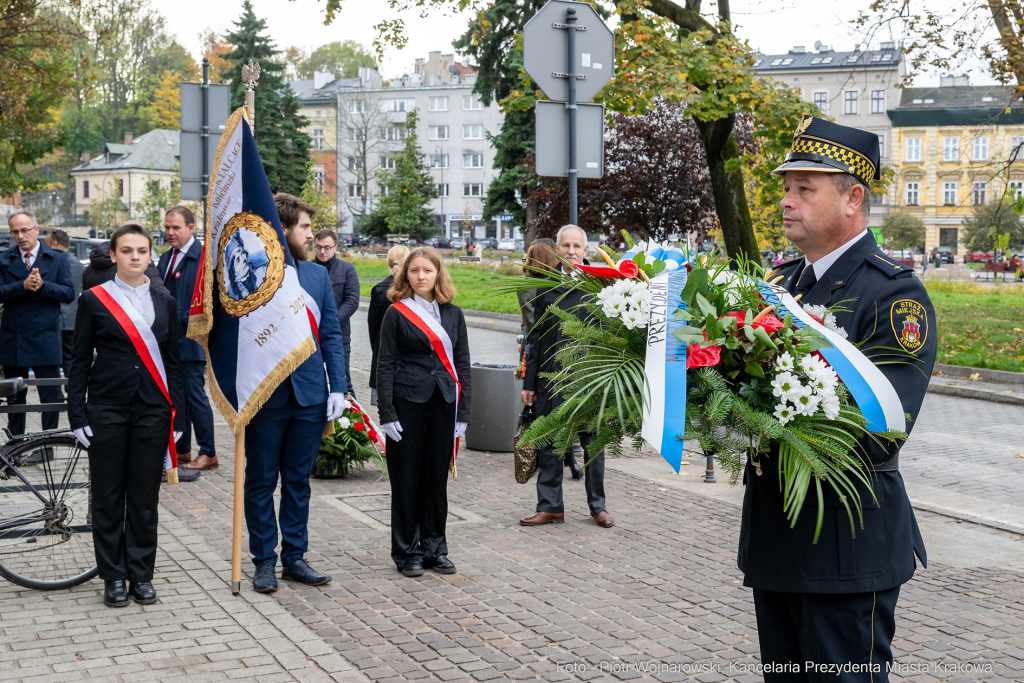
{"type": "Point", "coordinates": [497, 403]}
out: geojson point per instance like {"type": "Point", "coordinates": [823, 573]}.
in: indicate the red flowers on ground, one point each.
{"type": "Point", "coordinates": [696, 357]}
{"type": "Point", "coordinates": [769, 322]}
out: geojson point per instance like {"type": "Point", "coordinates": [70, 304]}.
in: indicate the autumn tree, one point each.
{"type": "Point", "coordinates": [165, 111]}
{"type": "Point", "coordinates": [343, 59]}
{"type": "Point", "coordinates": [991, 221]}
{"type": "Point", "coordinates": [216, 49]}
{"type": "Point", "coordinates": [903, 231]}
{"type": "Point", "coordinates": [326, 216]}
{"type": "Point", "coordinates": [360, 121]}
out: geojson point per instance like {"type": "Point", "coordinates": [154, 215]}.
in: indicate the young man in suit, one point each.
{"type": "Point", "coordinates": [34, 281]}
{"type": "Point", "coordinates": [178, 269]}
{"type": "Point", "coordinates": [284, 436]}
{"type": "Point", "coordinates": [345, 284]}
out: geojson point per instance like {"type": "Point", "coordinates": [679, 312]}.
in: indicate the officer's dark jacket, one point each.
{"type": "Point", "coordinates": [408, 368]}
{"type": "Point", "coordinates": [118, 373]}
{"type": "Point", "coordinates": [181, 285]}
{"type": "Point", "coordinates": [544, 340]}
{"type": "Point", "coordinates": [345, 286]}
{"type": "Point", "coordinates": [379, 305]}
{"type": "Point", "coordinates": [31, 324]}
{"type": "Point", "coordinates": [884, 296]}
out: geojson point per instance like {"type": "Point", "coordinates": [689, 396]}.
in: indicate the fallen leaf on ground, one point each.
{"type": "Point", "coordinates": [975, 376]}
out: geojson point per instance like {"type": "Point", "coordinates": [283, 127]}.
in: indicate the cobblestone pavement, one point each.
{"type": "Point", "coordinates": [561, 602]}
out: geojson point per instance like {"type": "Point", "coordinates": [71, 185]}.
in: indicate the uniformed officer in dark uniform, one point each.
{"type": "Point", "coordinates": [833, 602]}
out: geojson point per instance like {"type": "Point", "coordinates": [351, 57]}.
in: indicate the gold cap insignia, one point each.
{"type": "Point", "coordinates": [803, 126]}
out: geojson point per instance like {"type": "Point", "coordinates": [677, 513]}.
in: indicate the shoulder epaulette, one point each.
{"type": "Point", "coordinates": [782, 266]}
{"type": "Point", "coordinates": [886, 264]}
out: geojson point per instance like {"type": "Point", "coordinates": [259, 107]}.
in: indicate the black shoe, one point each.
{"type": "Point", "coordinates": [185, 474]}
{"type": "Point", "coordinates": [442, 565]}
{"type": "Point", "coordinates": [570, 462]}
{"type": "Point", "coordinates": [115, 594]}
{"type": "Point", "coordinates": [300, 571]}
{"type": "Point", "coordinates": [37, 457]}
{"type": "Point", "coordinates": [265, 581]}
{"type": "Point", "coordinates": [142, 592]}
{"type": "Point", "coordinates": [413, 568]}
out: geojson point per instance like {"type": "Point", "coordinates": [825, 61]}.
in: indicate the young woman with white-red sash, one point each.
{"type": "Point", "coordinates": [423, 396]}
{"type": "Point", "coordinates": [121, 408]}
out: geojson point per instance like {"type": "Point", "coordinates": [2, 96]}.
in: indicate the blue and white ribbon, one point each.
{"type": "Point", "coordinates": [671, 256]}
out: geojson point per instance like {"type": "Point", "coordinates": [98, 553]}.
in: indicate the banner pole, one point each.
{"type": "Point", "coordinates": [236, 528]}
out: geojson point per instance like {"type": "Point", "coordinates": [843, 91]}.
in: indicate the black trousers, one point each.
{"type": "Point", "coordinates": [67, 345]}
{"type": "Point", "coordinates": [418, 470]}
{"type": "Point", "coordinates": [126, 456]}
{"type": "Point", "coordinates": [802, 634]}
{"type": "Point", "coordinates": [198, 414]}
{"type": "Point", "coordinates": [549, 478]}
{"type": "Point", "coordinates": [16, 421]}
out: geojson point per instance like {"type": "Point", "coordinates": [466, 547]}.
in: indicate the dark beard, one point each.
{"type": "Point", "coordinates": [298, 252]}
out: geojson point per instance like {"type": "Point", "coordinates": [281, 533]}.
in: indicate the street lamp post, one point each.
{"type": "Point", "coordinates": [438, 152]}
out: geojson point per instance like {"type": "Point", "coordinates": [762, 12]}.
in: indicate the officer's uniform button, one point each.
{"type": "Point", "coordinates": [433, 372]}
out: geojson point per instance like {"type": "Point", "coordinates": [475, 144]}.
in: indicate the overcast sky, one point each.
{"type": "Point", "coordinates": [772, 26]}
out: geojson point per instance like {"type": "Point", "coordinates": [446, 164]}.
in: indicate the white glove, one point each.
{"type": "Point", "coordinates": [460, 428]}
{"type": "Point", "coordinates": [177, 436]}
{"type": "Point", "coordinates": [335, 406]}
{"type": "Point", "coordinates": [394, 430]}
{"type": "Point", "coordinates": [83, 435]}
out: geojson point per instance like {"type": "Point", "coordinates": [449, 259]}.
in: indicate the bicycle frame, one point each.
{"type": "Point", "coordinates": [47, 504]}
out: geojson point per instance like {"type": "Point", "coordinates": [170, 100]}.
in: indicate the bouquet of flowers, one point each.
{"type": "Point", "coordinates": [755, 383]}
{"type": "Point", "coordinates": [352, 440]}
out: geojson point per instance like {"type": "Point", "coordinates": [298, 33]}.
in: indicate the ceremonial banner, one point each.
{"type": "Point", "coordinates": [248, 310]}
{"type": "Point", "coordinates": [665, 369]}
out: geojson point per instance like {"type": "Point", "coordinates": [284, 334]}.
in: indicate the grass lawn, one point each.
{"type": "Point", "coordinates": [979, 327]}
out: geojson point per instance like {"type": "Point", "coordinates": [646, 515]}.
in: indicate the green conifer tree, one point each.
{"type": "Point", "coordinates": [280, 139]}
{"type": "Point", "coordinates": [406, 189]}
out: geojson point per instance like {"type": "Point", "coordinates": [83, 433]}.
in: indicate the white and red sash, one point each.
{"type": "Point", "coordinates": [441, 343]}
{"type": "Point", "coordinates": [144, 341]}
{"type": "Point", "coordinates": [313, 311]}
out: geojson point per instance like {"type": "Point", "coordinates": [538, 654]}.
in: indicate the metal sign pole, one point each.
{"type": "Point", "coordinates": [570, 21]}
{"type": "Point", "coordinates": [204, 136]}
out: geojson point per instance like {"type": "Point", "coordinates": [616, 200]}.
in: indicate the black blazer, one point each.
{"type": "Point", "coordinates": [379, 305]}
{"type": "Point", "coordinates": [118, 374]}
{"type": "Point", "coordinates": [407, 367]}
{"type": "Point", "coordinates": [775, 557]}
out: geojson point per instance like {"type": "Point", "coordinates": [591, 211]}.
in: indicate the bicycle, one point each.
{"type": "Point", "coordinates": [45, 509]}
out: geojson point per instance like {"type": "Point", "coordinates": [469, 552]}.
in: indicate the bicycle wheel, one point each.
{"type": "Point", "coordinates": [45, 516]}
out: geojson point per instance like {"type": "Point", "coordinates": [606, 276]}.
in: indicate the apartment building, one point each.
{"type": "Point", "coordinates": [361, 121]}
{"type": "Point", "coordinates": [854, 88]}
{"type": "Point", "coordinates": [958, 146]}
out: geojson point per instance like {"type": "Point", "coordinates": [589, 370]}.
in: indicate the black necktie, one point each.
{"type": "Point", "coordinates": [807, 280]}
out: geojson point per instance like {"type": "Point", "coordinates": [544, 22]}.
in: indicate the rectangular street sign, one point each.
{"type": "Point", "coordinates": [191, 163]}
{"type": "Point", "coordinates": [553, 140]}
{"type": "Point", "coordinates": [218, 108]}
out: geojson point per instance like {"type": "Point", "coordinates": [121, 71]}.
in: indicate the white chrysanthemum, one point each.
{"type": "Point", "coordinates": [784, 384]}
{"type": "Point", "coordinates": [633, 318]}
{"type": "Point", "coordinates": [841, 331]}
{"type": "Point", "coordinates": [784, 413]}
{"type": "Point", "coordinates": [344, 422]}
{"type": "Point", "coordinates": [817, 311]}
{"type": "Point", "coordinates": [830, 404]}
{"type": "Point", "coordinates": [812, 365]}
{"type": "Point", "coordinates": [807, 404]}
{"type": "Point", "coordinates": [785, 362]}
{"type": "Point", "coordinates": [824, 385]}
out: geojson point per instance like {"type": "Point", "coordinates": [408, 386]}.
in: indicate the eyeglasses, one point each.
{"type": "Point", "coordinates": [15, 233]}
{"type": "Point", "coordinates": [324, 249]}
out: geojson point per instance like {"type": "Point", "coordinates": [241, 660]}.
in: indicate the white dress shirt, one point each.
{"type": "Point", "coordinates": [822, 265]}
{"type": "Point", "coordinates": [35, 255]}
{"type": "Point", "coordinates": [178, 258]}
{"type": "Point", "coordinates": [431, 307]}
{"type": "Point", "coordinates": [140, 298]}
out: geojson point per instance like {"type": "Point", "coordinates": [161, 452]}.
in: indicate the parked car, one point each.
{"type": "Point", "coordinates": [81, 247]}
{"type": "Point", "coordinates": [942, 254]}
{"type": "Point", "coordinates": [488, 243]}
{"type": "Point", "coordinates": [979, 257]}
{"type": "Point", "coordinates": [509, 244]}
{"type": "Point", "coordinates": [457, 243]}
{"type": "Point", "coordinates": [517, 244]}
{"type": "Point", "coordinates": [438, 242]}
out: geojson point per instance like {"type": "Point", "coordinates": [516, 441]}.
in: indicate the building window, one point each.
{"type": "Point", "coordinates": [1016, 147]}
{"type": "Point", "coordinates": [404, 104]}
{"type": "Point", "coordinates": [850, 102]}
{"type": "Point", "coordinates": [913, 149]}
{"type": "Point", "coordinates": [387, 162]}
{"type": "Point", "coordinates": [472, 102]}
{"type": "Point", "coordinates": [980, 190]}
{"type": "Point", "coordinates": [318, 176]}
{"type": "Point", "coordinates": [442, 189]}
{"type": "Point", "coordinates": [120, 188]}
{"type": "Point", "coordinates": [949, 194]}
{"type": "Point", "coordinates": [355, 191]}
{"type": "Point", "coordinates": [439, 132]}
{"type": "Point", "coordinates": [877, 101]}
{"type": "Point", "coordinates": [473, 132]}
{"type": "Point", "coordinates": [318, 139]}
{"type": "Point", "coordinates": [438, 161]}
{"type": "Point", "coordinates": [981, 148]}
{"type": "Point", "coordinates": [878, 198]}
{"type": "Point", "coordinates": [881, 146]}
{"type": "Point", "coordinates": [354, 163]}
{"type": "Point", "coordinates": [913, 194]}
{"type": "Point", "coordinates": [1016, 188]}
{"type": "Point", "coordinates": [950, 149]}
{"type": "Point", "coordinates": [393, 133]}
{"type": "Point", "coordinates": [472, 161]}
{"type": "Point", "coordinates": [356, 106]}
{"type": "Point", "coordinates": [472, 189]}
{"type": "Point", "coordinates": [438, 104]}
{"type": "Point", "coordinates": [821, 101]}
{"type": "Point", "coordinates": [85, 189]}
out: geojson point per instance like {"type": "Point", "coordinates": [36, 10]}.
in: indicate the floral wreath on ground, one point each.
{"type": "Point", "coordinates": [351, 440]}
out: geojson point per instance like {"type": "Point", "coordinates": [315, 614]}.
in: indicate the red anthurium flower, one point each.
{"type": "Point", "coordinates": [770, 323]}
{"type": "Point", "coordinates": [696, 357]}
{"type": "Point", "coordinates": [358, 426]}
{"type": "Point", "coordinates": [601, 271]}
{"type": "Point", "coordinates": [628, 268]}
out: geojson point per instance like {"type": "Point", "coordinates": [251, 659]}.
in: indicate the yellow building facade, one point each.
{"type": "Point", "coordinates": [955, 147]}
